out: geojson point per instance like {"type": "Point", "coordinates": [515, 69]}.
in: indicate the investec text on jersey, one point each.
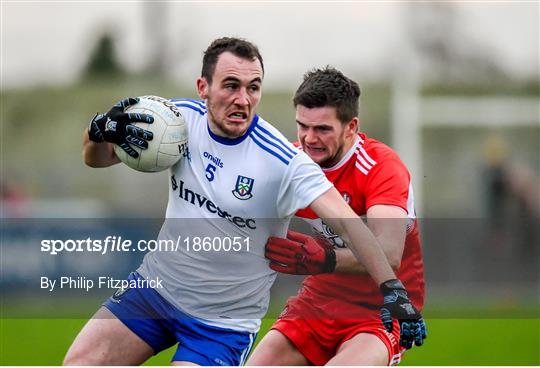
{"type": "Point", "coordinates": [197, 199]}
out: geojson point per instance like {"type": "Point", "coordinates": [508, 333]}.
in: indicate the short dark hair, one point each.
{"type": "Point", "coordinates": [237, 46]}
{"type": "Point", "coordinates": [329, 87]}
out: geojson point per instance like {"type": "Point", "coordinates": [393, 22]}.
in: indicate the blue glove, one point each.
{"type": "Point", "coordinates": [397, 305]}
{"type": "Point", "coordinates": [116, 127]}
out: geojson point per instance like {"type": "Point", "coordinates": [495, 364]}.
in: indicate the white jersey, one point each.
{"type": "Point", "coordinates": [234, 193]}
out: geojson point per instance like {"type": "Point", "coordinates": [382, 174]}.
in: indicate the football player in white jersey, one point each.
{"type": "Point", "coordinates": [241, 179]}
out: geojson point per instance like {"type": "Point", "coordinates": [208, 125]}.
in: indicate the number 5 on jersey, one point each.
{"type": "Point", "coordinates": [210, 172]}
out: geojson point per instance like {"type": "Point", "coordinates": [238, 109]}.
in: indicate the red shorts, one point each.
{"type": "Point", "coordinates": [319, 339]}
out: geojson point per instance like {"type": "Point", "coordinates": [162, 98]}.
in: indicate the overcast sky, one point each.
{"type": "Point", "coordinates": [50, 41]}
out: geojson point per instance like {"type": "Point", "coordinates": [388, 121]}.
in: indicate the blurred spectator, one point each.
{"type": "Point", "coordinates": [511, 200]}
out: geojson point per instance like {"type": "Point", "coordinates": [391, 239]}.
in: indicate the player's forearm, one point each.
{"type": "Point", "coordinates": [333, 210]}
{"type": "Point", "coordinates": [365, 248]}
{"type": "Point", "coordinates": [346, 262]}
{"type": "Point", "coordinates": [98, 154]}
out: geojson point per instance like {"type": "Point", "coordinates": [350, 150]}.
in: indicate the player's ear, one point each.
{"type": "Point", "coordinates": [202, 87]}
{"type": "Point", "coordinates": [352, 126]}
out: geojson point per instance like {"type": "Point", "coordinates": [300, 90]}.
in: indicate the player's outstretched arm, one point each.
{"type": "Point", "coordinates": [333, 210]}
{"type": "Point", "coordinates": [301, 254]}
{"type": "Point", "coordinates": [115, 126]}
{"type": "Point", "coordinates": [389, 225]}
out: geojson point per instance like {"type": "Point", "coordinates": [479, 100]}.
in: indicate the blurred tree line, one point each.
{"type": "Point", "coordinates": [102, 62]}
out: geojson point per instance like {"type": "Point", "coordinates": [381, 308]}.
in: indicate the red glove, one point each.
{"type": "Point", "coordinates": [300, 254]}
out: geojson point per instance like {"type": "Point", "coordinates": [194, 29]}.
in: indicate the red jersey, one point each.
{"type": "Point", "coordinates": [370, 173]}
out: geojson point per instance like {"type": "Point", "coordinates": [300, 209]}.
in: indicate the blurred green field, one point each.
{"type": "Point", "coordinates": [451, 342]}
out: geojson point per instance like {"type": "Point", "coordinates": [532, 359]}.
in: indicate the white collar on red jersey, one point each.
{"type": "Point", "coordinates": [357, 142]}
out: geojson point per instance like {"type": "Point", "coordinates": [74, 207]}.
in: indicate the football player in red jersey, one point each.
{"type": "Point", "coordinates": [334, 318]}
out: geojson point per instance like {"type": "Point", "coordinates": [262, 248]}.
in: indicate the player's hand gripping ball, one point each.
{"type": "Point", "coordinates": [397, 305]}
{"type": "Point", "coordinates": [117, 127]}
{"type": "Point", "coordinates": [148, 132]}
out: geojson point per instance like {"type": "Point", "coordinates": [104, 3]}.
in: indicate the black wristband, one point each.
{"type": "Point", "coordinates": [330, 261]}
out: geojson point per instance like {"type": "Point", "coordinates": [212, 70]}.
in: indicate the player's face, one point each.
{"type": "Point", "coordinates": [233, 95]}
{"type": "Point", "coordinates": [322, 135]}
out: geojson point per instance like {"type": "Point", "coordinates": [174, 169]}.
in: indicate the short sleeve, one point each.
{"type": "Point", "coordinates": [388, 184]}
{"type": "Point", "coordinates": [303, 183]}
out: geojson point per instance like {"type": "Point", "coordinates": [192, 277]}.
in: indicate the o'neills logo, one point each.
{"type": "Point", "coordinates": [197, 199]}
